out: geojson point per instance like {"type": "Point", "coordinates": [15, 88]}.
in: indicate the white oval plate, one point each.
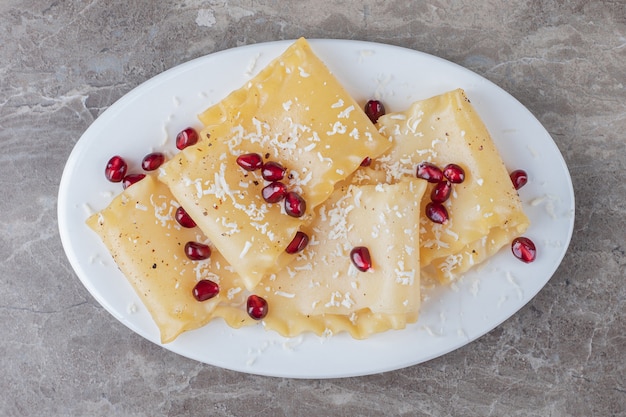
{"type": "Point", "coordinates": [148, 119]}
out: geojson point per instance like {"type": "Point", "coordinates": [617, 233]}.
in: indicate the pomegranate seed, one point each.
{"type": "Point", "coordinates": [519, 178]}
{"type": "Point", "coordinates": [186, 137]}
{"type": "Point", "coordinates": [115, 170]}
{"type": "Point", "coordinates": [454, 173]}
{"type": "Point", "coordinates": [366, 162]}
{"type": "Point", "coordinates": [360, 257]}
{"type": "Point", "coordinates": [298, 243]}
{"type": "Point", "coordinates": [152, 161]}
{"type": "Point", "coordinates": [524, 249]}
{"type": "Point", "coordinates": [184, 219]}
{"type": "Point", "coordinates": [257, 307]}
{"type": "Point", "coordinates": [274, 192]}
{"type": "Point", "coordinates": [250, 161]}
{"type": "Point", "coordinates": [374, 109]}
{"type": "Point", "coordinates": [197, 251]}
{"type": "Point", "coordinates": [441, 191]}
{"type": "Point", "coordinates": [295, 206]}
{"type": "Point", "coordinates": [429, 172]}
{"type": "Point", "coordinates": [436, 212]}
{"type": "Point", "coordinates": [272, 171]}
{"type": "Point", "coordinates": [205, 289]}
{"type": "Point", "coordinates": [130, 179]}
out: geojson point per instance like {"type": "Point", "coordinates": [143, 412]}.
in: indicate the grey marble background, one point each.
{"type": "Point", "coordinates": [63, 62]}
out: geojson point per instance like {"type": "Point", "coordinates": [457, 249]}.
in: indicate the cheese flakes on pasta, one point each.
{"type": "Point", "coordinates": [485, 210]}
{"type": "Point", "coordinates": [293, 112]}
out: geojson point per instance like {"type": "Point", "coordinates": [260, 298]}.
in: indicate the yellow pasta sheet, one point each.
{"type": "Point", "coordinates": [293, 112]}
{"type": "Point", "coordinates": [147, 243]}
{"type": "Point", "coordinates": [485, 210]}
{"type": "Point", "coordinates": [322, 291]}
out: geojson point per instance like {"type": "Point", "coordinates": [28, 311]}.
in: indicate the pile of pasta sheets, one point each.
{"type": "Point", "coordinates": [296, 113]}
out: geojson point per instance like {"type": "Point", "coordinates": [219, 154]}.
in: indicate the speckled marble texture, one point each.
{"type": "Point", "coordinates": [64, 62]}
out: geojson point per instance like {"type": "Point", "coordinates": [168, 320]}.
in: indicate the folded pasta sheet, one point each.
{"type": "Point", "coordinates": [147, 243]}
{"type": "Point", "coordinates": [322, 291]}
{"type": "Point", "coordinates": [294, 112]}
{"type": "Point", "coordinates": [485, 212]}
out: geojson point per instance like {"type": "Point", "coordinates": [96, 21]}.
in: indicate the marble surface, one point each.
{"type": "Point", "coordinates": [64, 62]}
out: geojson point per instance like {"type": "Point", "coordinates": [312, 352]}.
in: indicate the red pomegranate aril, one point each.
{"type": "Point", "coordinates": [360, 257]}
{"type": "Point", "coordinates": [374, 109]}
{"type": "Point", "coordinates": [519, 177]}
{"type": "Point", "coordinates": [454, 173]}
{"type": "Point", "coordinates": [295, 206]}
{"type": "Point", "coordinates": [298, 243]}
{"type": "Point", "coordinates": [367, 161]}
{"type": "Point", "coordinates": [524, 249]}
{"type": "Point", "coordinates": [272, 171]}
{"type": "Point", "coordinates": [116, 168]}
{"type": "Point", "coordinates": [441, 191]}
{"type": "Point", "coordinates": [274, 192]}
{"type": "Point", "coordinates": [250, 161]}
{"type": "Point", "coordinates": [152, 161]}
{"type": "Point", "coordinates": [429, 172]}
{"type": "Point", "coordinates": [130, 179]}
{"type": "Point", "coordinates": [186, 137]}
{"type": "Point", "coordinates": [184, 219]}
{"type": "Point", "coordinates": [436, 212]}
{"type": "Point", "coordinates": [197, 251]}
{"type": "Point", "coordinates": [256, 307]}
{"type": "Point", "coordinates": [205, 290]}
